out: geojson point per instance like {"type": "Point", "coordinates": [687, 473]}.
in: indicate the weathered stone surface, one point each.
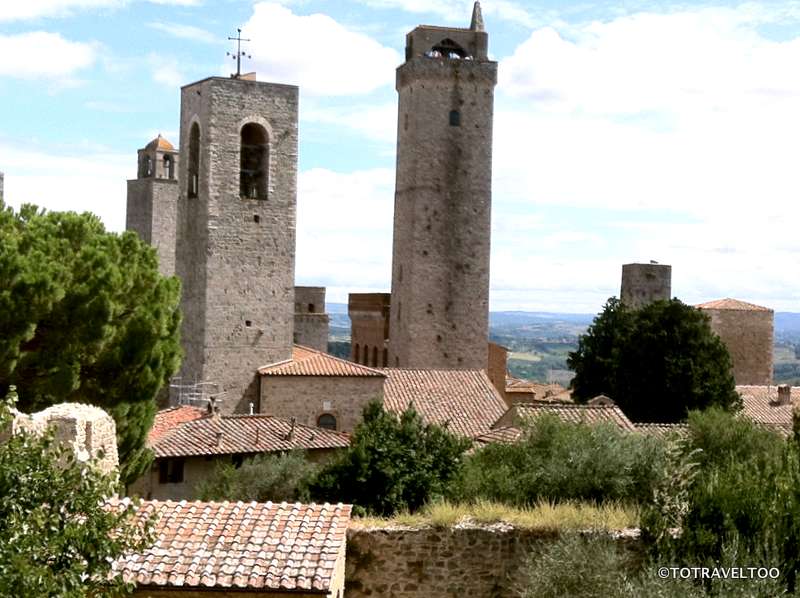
{"type": "Point", "coordinates": [643, 284]}
{"type": "Point", "coordinates": [466, 560]}
{"type": "Point", "coordinates": [369, 328]}
{"type": "Point", "coordinates": [440, 259]}
{"type": "Point", "coordinates": [152, 211]}
{"type": "Point", "coordinates": [236, 255]}
{"type": "Point", "coordinates": [310, 320]}
{"type": "Point", "coordinates": [749, 337]}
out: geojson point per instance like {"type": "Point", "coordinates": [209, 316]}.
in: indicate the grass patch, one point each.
{"type": "Point", "coordinates": [544, 515]}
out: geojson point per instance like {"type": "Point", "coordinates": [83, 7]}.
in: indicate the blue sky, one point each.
{"type": "Point", "coordinates": [624, 131]}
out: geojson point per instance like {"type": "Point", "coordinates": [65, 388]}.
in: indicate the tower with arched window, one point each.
{"type": "Point", "coordinates": [236, 231]}
{"type": "Point", "coordinates": [153, 199]}
{"type": "Point", "coordinates": [442, 212]}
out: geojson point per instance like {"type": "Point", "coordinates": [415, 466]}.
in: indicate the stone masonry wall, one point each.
{"type": "Point", "coordinates": [643, 284]}
{"type": "Point", "coordinates": [442, 215]}
{"type": "Point", "coordinates": [308, 397]}
{"type": "Point", "coordinates": [152, 212]}
{"type": "Point", "coordinates": [236, 255]}
{"type": "Point", "coordinates": [369, 327]}
{"type": "Point", "coordinates": [475, 561]}
{"type": "Point", "coordinates": [748, 335]}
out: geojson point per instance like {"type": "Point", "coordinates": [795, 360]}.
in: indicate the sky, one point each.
{"type": "Point", "coordinates": [624, 131]}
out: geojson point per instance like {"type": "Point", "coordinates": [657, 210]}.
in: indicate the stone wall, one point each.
{"type": "Point", "coordinates": [88, 430]}
{"type": "Point", "coordinates": [643, 284]}
{"type": "Point", "coordinates": [308, 397]}
{"type": "Point", "coordinates": [748, 335]}
{"type": "Point", "coordinates": [475, 561]}
{"type": "Point", "coordinates": [442, 216]}
{"type": "Point", "coordinates": [369, 328]}
{"type": "Point", "coordinates": [235, 254]}
{"type": "Point", "coordinates": [152, 212]}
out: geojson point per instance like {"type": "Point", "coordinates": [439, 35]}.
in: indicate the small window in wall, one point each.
{"type": "Point", "coordinates": [327, 421]}
{"type": "Point", "coordinates": [455, 118]}
{"type": "Point", "coordinates": [170, 471]}
{"type": "Point", "coordinates": [357, 354]}
{"type": "Point", "coordinates": [193, 172]}
{"type": "Point", "coordinates": [169, 167]}
{"type": "Point", "coordinates": [374, 357]}
{"type": "Point", "coordinates": [254, 162]}
{"type": "Point", "coordinates": [366, 355]}
{"type": "Point", "coordinates": [385, 357]}
{"type": "Point", "coordinates": [148, 166]}
{"type": "Point", "coordinates": [311, 308]}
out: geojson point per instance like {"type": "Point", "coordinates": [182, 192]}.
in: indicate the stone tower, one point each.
{"type": "Point", "coordinates": [369, 328]}
{"type": "Point", "coordinates": [311, 323]}
{"type": "Point", "coordinates": [442, 208]}
{"type": "Point", "coordinates": [748, 332]}
{"type": "Point", "coordinates": [236, 231]}
{"type": "Point", "coordinates": [643, 284]}
{"type": "Point", "coordinates": [153, 200]}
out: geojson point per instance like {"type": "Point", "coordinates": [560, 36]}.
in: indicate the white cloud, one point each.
{"type": "Point", "coordinates": [166, 71]}
{"type": "Point", "coordinates": [460, 11]}
{"type": "Point", "coordinates": [344, 229]}
{"type": "Point", "coordinates": [315, 52]}
{"type": "Point", "coordinates": [12, 10]}
{"type": "Point", "coordinates": [39, 54]}
{"type": "Point", "coordinates": [377, 122]}
{"type": "Point", "coordinates": [80, 181]}
{"type": "Point", "coordinates": [189, 32]}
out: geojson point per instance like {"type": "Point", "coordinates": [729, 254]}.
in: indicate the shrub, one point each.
{"type": "Point", "coordinates": [393, 463]}
{"type": "Point", "coordinates": [275, 477]}
{"type": "Point", "coordinates": [558, 461]}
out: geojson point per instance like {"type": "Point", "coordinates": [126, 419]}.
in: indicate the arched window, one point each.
{"type": "Point", "coordinates": [169, 167]}
{"type": "Point", "coordinates": [447, 48]}
{"type": "Point", "coordinates": [385, 357]}
{"type": "Point", "coordinates": [148, 166]}
{"type": "Point", "coordinates": [374, 357]}
{"type": "Point", "coordinates": [193, 172]}
{"type": "Point", "coordinates": [327, 421]}
{"type": "Point", "coordinates": [356, 354]}
{"type": "Point", "coordinates": [254, 162]}
{"type": "Point", "coordinates": [366, 355]}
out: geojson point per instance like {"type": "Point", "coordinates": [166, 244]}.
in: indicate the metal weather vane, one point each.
{"type": "Point", "coordinates": [237, 56]}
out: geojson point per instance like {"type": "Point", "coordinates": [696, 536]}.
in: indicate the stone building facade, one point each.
{"type": "Point", "coordinates": [311, 323]}
{"type": "Point", "coordinates": [153, 200]}
{"type": "Point", "coordinates": [643, 284]}
{"type": "Point", "coordinates": [235, 248]}
{"type": "Point", "coordinates": [440, 260]}
{"type": "Point", "coordinates": [369, 328]}
{"type": "Point", "coordinates": [748, 332]}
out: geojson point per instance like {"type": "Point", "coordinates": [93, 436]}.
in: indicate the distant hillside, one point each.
{"type": "Point", "coordinates": [540, 341]}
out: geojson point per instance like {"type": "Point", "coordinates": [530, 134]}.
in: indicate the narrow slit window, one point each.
{"type": "Point", "coordinates": [455, 118]}
{"type": "Point", "coordinates": [254, 162]}
{"type": "Point", "coordinates": [193, 172]}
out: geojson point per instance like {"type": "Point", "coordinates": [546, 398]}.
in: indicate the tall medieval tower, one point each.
{"type": "Point", "coordinates": [236, 231]}
{"type": "Point", "coordinates": [153, 200]}
{"type": "Point", "coordinates": [442, 212]}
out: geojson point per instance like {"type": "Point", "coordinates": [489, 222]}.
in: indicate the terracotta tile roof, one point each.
{"type": "Point", "coordinates": [760, 403]}
{"type": "Point", "coordinates": [310, 362]}
{"type": "Point", "coordinates": [244, 434]}
{"type": "Point", "coordinates": [240, 546]}
{"type": "Point", "coordinates": [159, 143]}
{"type": "Point", "coordinates": [589, 414]}
{"type": "Point", "coordinates": [540, 391]}
{"type": "Point", "coordinates": [506, 434]}
{"type": "Point", "coordinates": [662, 430]}
{"type": "Point", "coordinates": [168, 419]}
{"type": "Point", "coordinates": [733, 304]}
{"type": "Point", "coordinates": [465, 399]}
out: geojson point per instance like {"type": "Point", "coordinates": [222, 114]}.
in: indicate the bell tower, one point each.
{"type": "Point", "coordinates": [236, 232]}
{"type": "Point", "coordinates": [442, 212]}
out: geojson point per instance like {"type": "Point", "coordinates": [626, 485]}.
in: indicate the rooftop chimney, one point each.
{"type": "Point", "coordinates": [784, 394]}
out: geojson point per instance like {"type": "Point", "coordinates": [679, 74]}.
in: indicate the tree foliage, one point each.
{"type": "Point", "coordinates": [393, 463]}
{"type": "Point", "coordinates": [85, 316]}
{"type": "Point", "coordinates": [657, 362]}
{"type": "Point", "coordinates": [275, 477]}
{"type": "Point", "coordinates": [58, 538]}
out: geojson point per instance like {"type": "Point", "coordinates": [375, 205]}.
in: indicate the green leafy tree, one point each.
{"type": "Point", "coordinates": [85, 316]}
{"type": "Point", "coordinates": [657, 362]}
{"type": "Point", "coordinates": [58, 536]}
{"type": "Point", "coordinates": [393, 463]}
{"type": "Point", "coordinates": [275, 477]}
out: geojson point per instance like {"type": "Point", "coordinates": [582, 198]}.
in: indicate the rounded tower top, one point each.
{"type": "Point", "coordinates": [160, 144]}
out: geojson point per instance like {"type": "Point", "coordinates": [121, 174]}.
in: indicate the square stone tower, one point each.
{"type": "Point", "coordinates": [153, 200]}
{"type": "Point", "coordinates": [442, 211]}
{"type": "Point", "coordinates": [643, 284]}
{"type": "Point", "coordinates": [236, 232]}
{"type": "Point", "coordinates": [311, 323]}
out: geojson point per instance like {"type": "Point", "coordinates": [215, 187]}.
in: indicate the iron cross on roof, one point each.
{"type": "Point", "coordinates": [237, 56]}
